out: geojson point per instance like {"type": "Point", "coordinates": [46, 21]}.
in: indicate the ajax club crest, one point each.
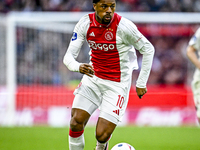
{"type": "Point", "coordinates": [109, 34]}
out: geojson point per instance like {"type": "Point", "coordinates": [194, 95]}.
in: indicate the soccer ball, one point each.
{"type": "Point", "coordinates": [123, 146]}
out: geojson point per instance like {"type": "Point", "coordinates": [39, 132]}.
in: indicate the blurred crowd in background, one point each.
{"type": "Point", "coordinates": [86, 5]}
{"type": "Point", "coordinates": [40, 53]}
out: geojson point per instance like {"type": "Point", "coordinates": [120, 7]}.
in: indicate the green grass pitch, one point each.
{"type": "Point", "coordinates": [142, 138]}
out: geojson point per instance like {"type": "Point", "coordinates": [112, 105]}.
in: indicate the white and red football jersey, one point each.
{"type": "Point", "coordinates": [112, 49]}
{"type": "Point", "coordinates": [195, 42]}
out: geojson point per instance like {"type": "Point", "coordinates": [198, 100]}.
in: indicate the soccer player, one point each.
{"type": "Point", "coordinates": [193, 47]}
{"type": "Point", "coordinates": [107, 78]}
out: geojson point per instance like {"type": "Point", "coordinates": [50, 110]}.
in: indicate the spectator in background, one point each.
{"type": "Point", "coordinates": [193, 47]}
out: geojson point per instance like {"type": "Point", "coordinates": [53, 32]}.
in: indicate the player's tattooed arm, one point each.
{"type": "Point", "coordinates": [86, 69]}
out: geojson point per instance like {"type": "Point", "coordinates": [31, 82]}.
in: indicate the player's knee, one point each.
{"type": "Point", "coordinates": [102, 137]}
{"type": "Point", "coordinates": [76, 124]}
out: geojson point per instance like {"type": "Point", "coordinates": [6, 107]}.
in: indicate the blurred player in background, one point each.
{"type": "Point", "coordinates": [107, 78]}
{"type": "Point", "coordinates": [193, 50]}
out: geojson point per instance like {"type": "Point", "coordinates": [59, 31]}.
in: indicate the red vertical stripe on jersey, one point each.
{"type": "Point", "coordinates": [102, 41]}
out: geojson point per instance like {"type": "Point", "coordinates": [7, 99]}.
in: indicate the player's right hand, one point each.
{"type": "Point", "coordinates": [86, 69]}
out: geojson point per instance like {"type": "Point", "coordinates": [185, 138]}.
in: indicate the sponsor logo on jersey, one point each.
{"type": "Point", "coordinates": [108, 35]}
{"type": "Point", "coordinates": [74, 36]}
{"type": "Point", "coordinates": [92, 34]}
{"type": "Point", "coordinates": [100, 46]}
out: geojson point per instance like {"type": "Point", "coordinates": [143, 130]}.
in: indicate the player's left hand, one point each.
{"type": "Point", "coordinates": [141, 91]}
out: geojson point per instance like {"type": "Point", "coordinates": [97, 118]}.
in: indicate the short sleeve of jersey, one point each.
{"type": "Point", "coordinates": [80, 30]}
{"type": "Point", "coordinates": [131, 35]}
{"type": "Point", "coordinates": [195, 40]}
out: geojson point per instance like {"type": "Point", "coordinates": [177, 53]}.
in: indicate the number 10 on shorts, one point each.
{"type": "Point", "coordinates": [120, 101]}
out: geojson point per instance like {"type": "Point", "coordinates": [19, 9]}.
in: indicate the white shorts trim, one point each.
{"type": "Point", "coordinates": [83, 103]}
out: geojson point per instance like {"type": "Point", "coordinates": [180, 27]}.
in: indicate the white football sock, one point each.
{"type": "Point", "coordinates": [77, 143]}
